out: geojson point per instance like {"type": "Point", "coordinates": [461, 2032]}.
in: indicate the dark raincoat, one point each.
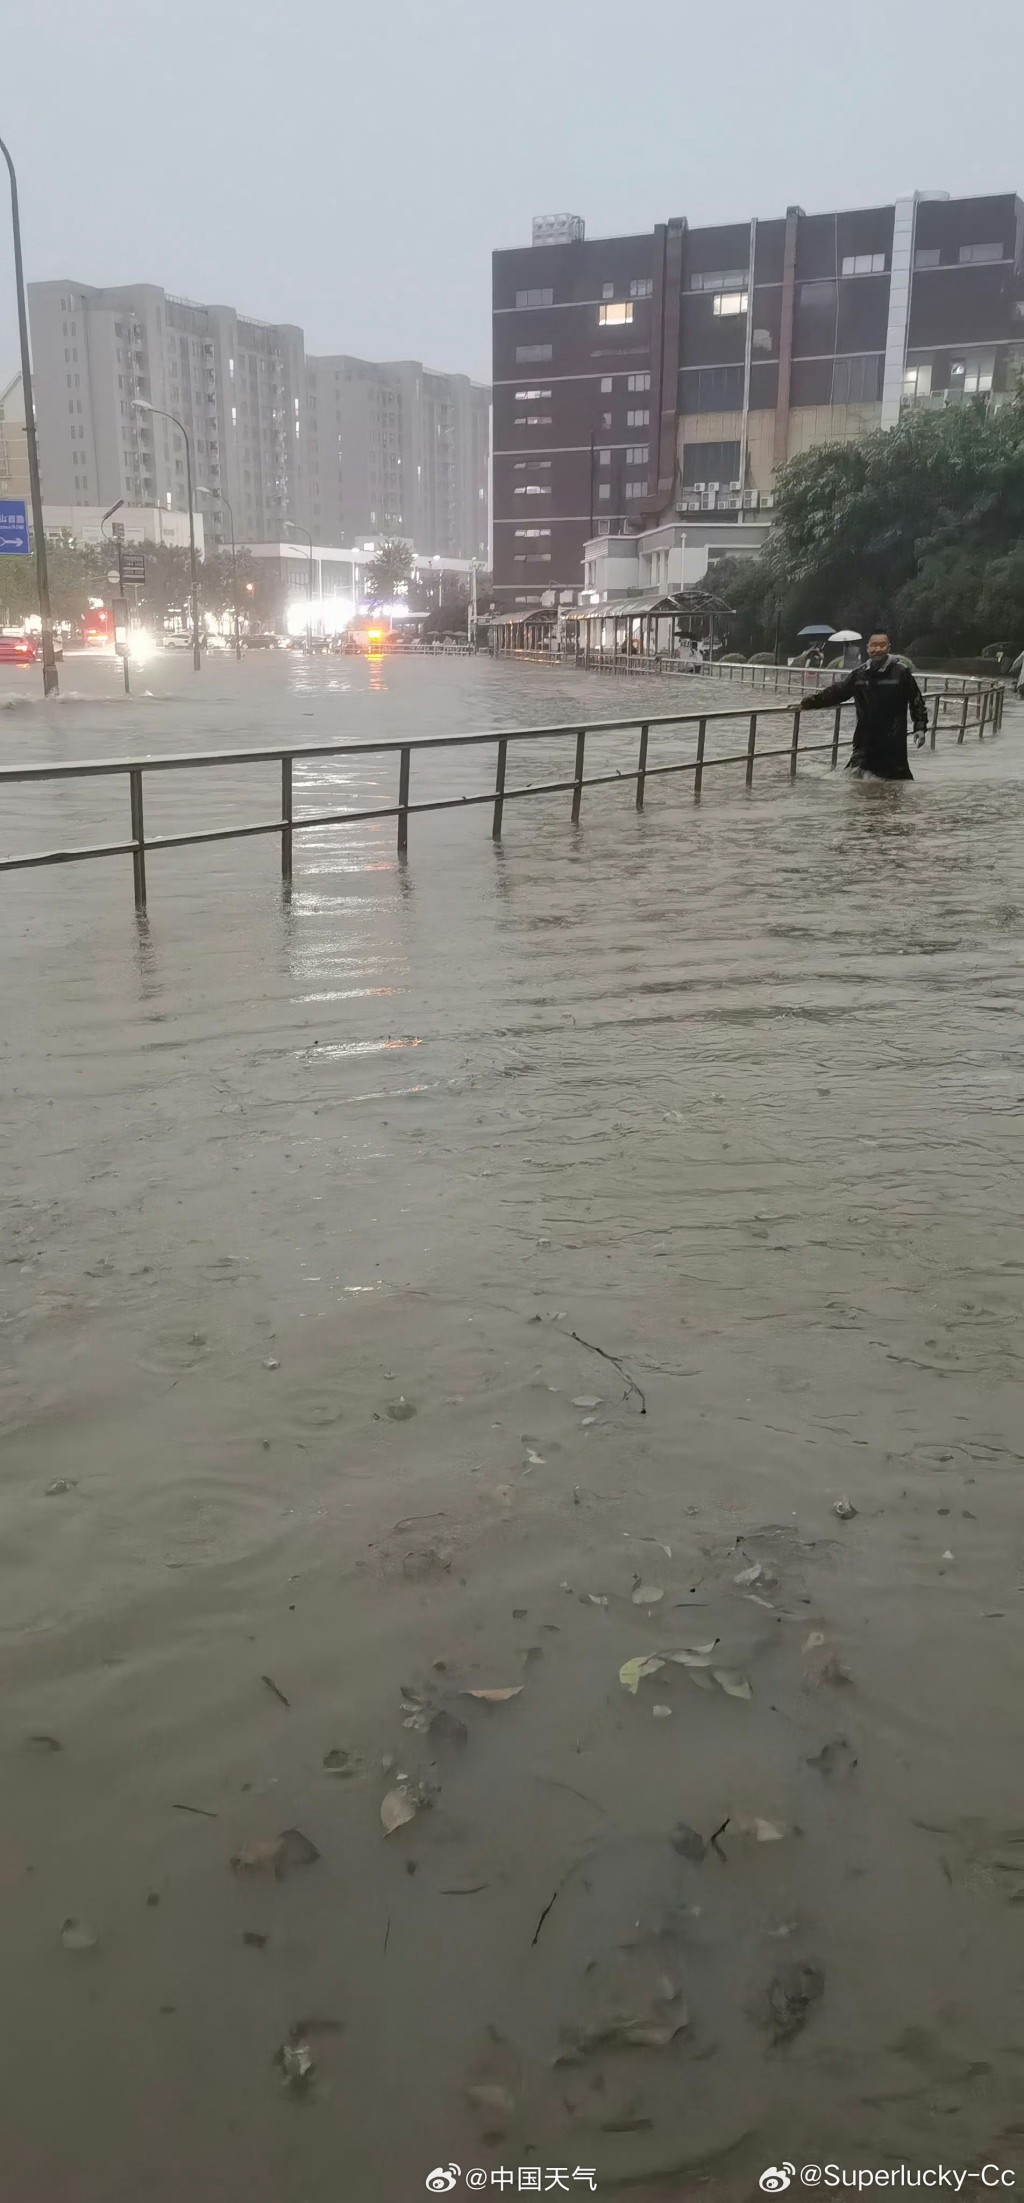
{"type": "Point", "coordinates": [882, 695]}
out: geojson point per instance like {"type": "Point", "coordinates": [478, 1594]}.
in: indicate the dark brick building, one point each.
{"type": "Point", "coordinates": [644, 378]}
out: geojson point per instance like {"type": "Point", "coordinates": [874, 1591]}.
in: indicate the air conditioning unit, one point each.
{"type": "Point", "coordinates": [735, 485]}
{"type": "Point", "coordinates": [714, 486]}
{"type": "Point", "coordinates": [700, 488]}
{"type": "Point", "coordinates": [752, 498]}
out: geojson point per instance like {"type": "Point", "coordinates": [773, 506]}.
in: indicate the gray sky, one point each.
{"type": "Point", "coordinates": [350, 167]}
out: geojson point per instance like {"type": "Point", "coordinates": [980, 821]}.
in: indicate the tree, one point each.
{"type": "Point", "coordinates": [390, 572]}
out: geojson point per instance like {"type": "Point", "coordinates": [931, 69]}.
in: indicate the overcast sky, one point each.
{"type": "Point", "coordinates": [350, 167]}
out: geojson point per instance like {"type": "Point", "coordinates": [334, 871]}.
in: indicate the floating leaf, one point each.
{"type": "Point", "coordinates": [749, 1575]}
{"type": "Point", "coordinates": [700, 1677]}
{"type": "Point", "coordinates": [534, 1460]}
{"type": "Point", "coordinates": [647, 1594]}
{"type": "Point", "coordinates": [595, 1598]}
{"type": "Point", "coordinates": [813, 1640]}
{"type": "Point", "coordinates": [496, 1697]}
{"type": "Point", "coordinates": [492, 2098]}
{"type": "Point", "coordinates": [585, 1401]}
{"type": "Point", "coordinates": [733, 1682]}
{"type": "Point", "coordinates": [688, 1842]}
{"type": "Point", "coordinates": [661, 1713]}
{"type": "Point", "coordinates": [693, 1656]}
{"type": "Point", "coordinates": [266, 1856]}
{"type": "Point", "coordinates": [632, 1672]}
{"type": "Point", "coordinates": [396, 1809]}
{"type": "Point", "coordinates": [761, 1831]}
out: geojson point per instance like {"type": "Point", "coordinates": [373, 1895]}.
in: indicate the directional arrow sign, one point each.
{"type": "Point", "coordinates": [13, 526]}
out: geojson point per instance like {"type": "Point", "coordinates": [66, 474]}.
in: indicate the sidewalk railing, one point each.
{"type": "Point", "coordinates": [138, 845]}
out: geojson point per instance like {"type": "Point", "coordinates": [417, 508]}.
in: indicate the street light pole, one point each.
{"type": "Point", "coordinates": [205, 491]}
{"type": "Point", "coordinates": [108, 515]}
{"type": "Point", "coordinates": [298, 529]}
{"type": "Point", "coordinates": [142, 405]}
{"type": "Point", "coordinates": [51, 685]}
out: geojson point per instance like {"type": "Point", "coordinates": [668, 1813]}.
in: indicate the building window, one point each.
{"type": "Point", "coordinates": [535, 298]}
{"type": "Point", "coordinates": [917, 381]}
{"type": "Point", "coordinates": [532, 420]}
{"type": "Point", "coordinates": [639, 418]}
{"type": "Point", "coordinates": [613, 317]}
{"type": "Point", "coordinates": [604, 489]}
{"type": "Point", "coordinates": [637, 455]}
{"type": "Point", "coordinates": [606, 386]}
{"type": "Point", "coordinates": [533, 531]}
{"type": "Point", "coordinates": [636, 489]}
{"type": "Point", "coordinates": [532, 489]}
{"type": "Point", "coordinates": [971, 254]}
{"type": "Point", "coordinates": [721, 279]}
{"type": "Point", "coordinates": [526, 395]}
{"type": "Point", "coordinates": [729, 302]}
{"type": "Point", "coordinates": [711, 462]}
{"type": "Point", "coordinates": [606, 420]}
{"type": "Point", "coordinates": [864, 263]}
{"type": "Point", "coordinates": [607, 290]}
{"type": "Point", "coordinates": [604, 457]}
{"type": "Point", "coordinates": [641, 287]}
{"type": "Point", "coordinates": [973, 373]}
{"type": "Point", "coordinates": [927, 257]}
{"type": "Point", "coordinates": [857, 379]}
{"type": "Point", "coordinates": [638, 382]}
{"type": "Point", "coordinates": [525, 353]}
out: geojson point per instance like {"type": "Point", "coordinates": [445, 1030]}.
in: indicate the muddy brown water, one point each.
{"type": "Point", "coordinates": [734, 1095]}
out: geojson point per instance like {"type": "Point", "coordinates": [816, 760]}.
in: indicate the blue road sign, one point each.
{"type": "Point", "coordinates": [13, 525]}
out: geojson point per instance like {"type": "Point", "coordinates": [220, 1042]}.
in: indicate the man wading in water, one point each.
{"type": "Point", "coordinates": [882, 691]}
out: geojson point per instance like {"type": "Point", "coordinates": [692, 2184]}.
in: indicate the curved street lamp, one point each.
{"type": "Point", "coordinates": [142, 405]}
{"type": "Point", "coordinates": [51, 685]}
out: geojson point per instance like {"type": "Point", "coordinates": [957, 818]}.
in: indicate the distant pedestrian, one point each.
{"type": "Point", "coordinates": [882, 691]}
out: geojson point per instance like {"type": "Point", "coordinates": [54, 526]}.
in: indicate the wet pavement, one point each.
{"type": "Point", "coordinates": [667, 1170]}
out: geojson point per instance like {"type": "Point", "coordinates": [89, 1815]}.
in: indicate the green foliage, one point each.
{"type": "Point", "coordinates": [79, 571]}
{"type": "Point", "coordinates": [389, 573]}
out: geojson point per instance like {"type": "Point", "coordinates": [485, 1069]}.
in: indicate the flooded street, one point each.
{"type": "Point", "coordinates": [401, 1278]}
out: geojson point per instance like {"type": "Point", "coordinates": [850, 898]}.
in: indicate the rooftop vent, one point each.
{"type": "Point", "coordinates": [558, 229]}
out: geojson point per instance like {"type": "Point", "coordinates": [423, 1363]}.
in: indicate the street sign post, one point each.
{"type": "Point", "coordinates": [13, 527]}
{"type": "Point", "coordinates": [133, 566]}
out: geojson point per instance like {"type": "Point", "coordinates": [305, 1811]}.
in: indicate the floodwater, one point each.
{"type": "Point", "coordinates": [668, 1170]}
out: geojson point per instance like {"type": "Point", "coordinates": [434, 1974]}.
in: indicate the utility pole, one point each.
{"type": "Point", "coordinates": [51, 685]}
{"type": "Point", "coordinates": [120, 590]}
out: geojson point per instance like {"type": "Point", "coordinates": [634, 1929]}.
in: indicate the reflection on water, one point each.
{"type": "Point", "coordinates": [730, 1091]}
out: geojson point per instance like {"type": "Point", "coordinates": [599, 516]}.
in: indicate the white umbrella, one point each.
{"type": "Point", "coordinates": [846, 635]}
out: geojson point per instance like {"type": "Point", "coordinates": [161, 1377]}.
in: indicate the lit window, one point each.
{"type": "Point", "coordinates": [606, 386]}
{"type": "Point", "coordinates": [970, 254]}
{"type": "Point", "coordinates": [972, 374]}
{"type": "Point", "coordinates": [917, 381]}
{"type": "Point", "coordinates": [636, 489]}
{"type": "Point", "coordinates": [533, 531]}
{"type": "Point", "coordinates": [525, 353]}
{"type": "Point", "coordinates": [604, 489]}
{"type": "Point", "coordinates": [639, 418]}
{"type": "Point", "coordinates": [729, 302]}
{"type": "Point", "coordinates": [638, 382]}
{"type": "Point", "coordinates": [527, 394]}
{"type": "Point", "coordinates": [606, 420]}
{"type": "Point", "coordinates": [532, 489]}
{"type": "Point", "coordinates": [927, 257]}
{"type": "Point", "coordinates": [637, 455]}
{"type": "Point", "coordinates": [604, 458]}
{"type": "Point", "coordinates": [641, 287]}
{"type": "Point", "coordinates": [864, 263]}
{"type": "Point", "coordinates": [613, 316]}
{"type": "Point", "coordinates": [532, 420]}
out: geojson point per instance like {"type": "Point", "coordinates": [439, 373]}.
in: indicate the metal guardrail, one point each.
{"type": "Point", "coordinates": [287, 825]}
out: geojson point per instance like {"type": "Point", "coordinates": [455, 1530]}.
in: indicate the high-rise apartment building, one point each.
{"type": "Point", "coordinates": [398, 449]}
{"type": "Point", "coordinates": [237, 385]}
{"type": "Point", "coordinates": [640, 379]}
{"type": "Point", "coordinates": [344, 447]}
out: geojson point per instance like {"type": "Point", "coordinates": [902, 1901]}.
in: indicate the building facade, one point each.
{"type": "Point", "coordinates": [237, 385]}
{"type": "Point", "coordinates": [642, 379]}
{"type": "Point", "coordinates": [14, 481]}
{"type": "Point", "coordinates": [342, 447]}
{"type": "Point", "coordinates": [397, 449]}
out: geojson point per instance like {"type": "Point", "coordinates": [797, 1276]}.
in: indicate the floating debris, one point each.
{"type": "Point", "coordinates": [646, 1594]}
{"type": "Point", "coordinates": [78, 1935]}
{"type": "Point", "coordinates": [688, 1842]}
{"type": "Point", "coordinates": [845, 1509]}
{"type": "Point", "coordinates": [632, 1672]}
{"type": "Point", "coordinates": [400, 1410]}
{"type": "Point", "coordinates": [60, 1487]}
{"type": "Point", "coordinates": [397, 1809]}
{"type": "Point", "coordinates": [733, 1682]}
{"type": "Point", "coordinates": [496, 1697]}
{"type": "Point", "coordinates": [792, 1995]}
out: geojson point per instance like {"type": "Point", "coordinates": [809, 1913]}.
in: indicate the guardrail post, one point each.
{"type": "Point", "coordinates": [1000, 701]}
{"type": "Point", "coordinates": [577, 786]}
{"type": "Point", "coordinates": [963, 715]}
{"type": "Point", "coordinates": [794, 745]}
{"type": "Point", "coordinates": [286, 820]}
{"type": "Point", "coordinates": [751, 739]}
{"type": "Point", "coordinates": [499, 789]}
{"type": "Point", "coordinates": [641, 773]}
{"type": "Point", "coordinates": [835, 738]}
{"type": "Point", "coordinates": [935, 721]}
{"type": "Point", "coordinates": [983, 713]}
{"type": "Point", "coordinates": [138, 837]}
{"type": "Point", "coordinates": [405, 762]}
{"type": "Point", "coordinates": [698, 776]}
